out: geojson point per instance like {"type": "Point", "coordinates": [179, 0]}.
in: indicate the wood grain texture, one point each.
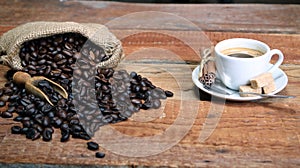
{"type": "Point", "coordinates": [256, 134]}
{"type": "Point", "coordinates": [248, 134]}
{"type": "Point", "coordinates": [211, 17]}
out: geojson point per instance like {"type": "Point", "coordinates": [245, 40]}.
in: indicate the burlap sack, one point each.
{"type": "Point", "coordinates": [11, 41]}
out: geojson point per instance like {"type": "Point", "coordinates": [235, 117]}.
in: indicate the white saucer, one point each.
{"type": "Point", "coordinates": [280, 77]}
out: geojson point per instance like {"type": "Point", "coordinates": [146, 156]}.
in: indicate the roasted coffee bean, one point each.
{"type": "Point", "coordinates": [38, 127]}
{"type": "Point", "coordinates": [99, 155]}
{"type": "Point", "coordinates": [41, 62]}
{"type": "Point", "coordinates": [26, 123]}
{"type": "Point", "coordinates": [65, 136]}
{"type": "Point", "coordinates": [57, 122]}
{"type": "Point", "coordinates": [47, 135]}
{"type": "Point", "coordinates": [76, 128]}
{"type": "Point", "coordinates": [2, 103]}
{"type": "Point", "coordinates": [136, 101]}
{"type": "Point", "coordinates": [25, 102]}
{"type": "Point", "coordinates": [64, 127]}
{"type": "Point", "coordinates": [31, 133]}
{"type": "Point", "coordinates": [92, 145]}
{"type": "Point", "coordinates": [14, 97]}
{"type": "Point", "coordinates": [156, 103]}
{"type": "Point", "coordinates": [24, 130]}
{"type": "Point", "coordinates": [46, 121]}
{"type": "Point", "coordinates": [6, 114]}
{"type": "Point", "coordinates": [18, 118]}
{"type": "Point", "coordinates": [81, 135]}
{"type": "Point", "coordinates": [11, 109]}
{"type": "Point", "coordinates": [169, 93]}
{"type": "Point", "coordinates": [16, 129]}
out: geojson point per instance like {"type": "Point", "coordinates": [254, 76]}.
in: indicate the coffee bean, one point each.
{"type": "Point", "coordinates": [92, 146]}
{"type": "Point", "coordinates": [136, 101]}
{"type": "Point", "coordinates": [24, 130]}
{"type": "Point", "coordinates": [47, 135]}
{"type": "Point", "coordinates": [31, 133]}
{"type": "Point", "coordinates": [169, 93]}
{"type": "Point", "coordinates": [63, 61]}
{"type": "Point", "coordinates": [16, 129]}
{"type": "Point", "coordinates": [18, 118]}
{"type": "Point", "coordinates": [6, 114]}
{"type": "Point", "coordinates": [11, 109]}
{"type": "Point", "coordinates": [25, 102]}
{"type": "Point", "coordinates": [41, 62]}
{"type": "Point", "coordinates": [46, 121]}
{"type": "Point", "coordinates": [64, 127]}
{"type": "Point", "coordinates": [2, 103]}
{"type": "Point", "coordinates": [156, 103]}
{"type": "Point", "coordinates": [56, 122]}
{"type": "Point", "coordinates": [38, 127]}
{"type": "Point", "coordinates": [65, 135]}
{"type": "Point", "coordinates": [99, 155]}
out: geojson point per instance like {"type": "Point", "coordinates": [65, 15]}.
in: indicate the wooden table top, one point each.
{"type": "Point", "coordinates": [185, 131]}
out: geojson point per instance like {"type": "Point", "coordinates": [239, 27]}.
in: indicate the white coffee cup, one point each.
{"type": "Point", "coordinates": [234, 71]}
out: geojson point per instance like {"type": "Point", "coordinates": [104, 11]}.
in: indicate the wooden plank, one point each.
{"type": "Point", "coordinates": [186, 44]}
{"type": "Point", "coordinates": [209, 17]}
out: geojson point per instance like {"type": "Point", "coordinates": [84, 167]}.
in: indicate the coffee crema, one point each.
{"type": "Point", "coordinates": [241, 52]}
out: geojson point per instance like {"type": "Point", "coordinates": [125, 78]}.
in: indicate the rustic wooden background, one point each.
{"type": "Point", "coordinates": [252, 134]}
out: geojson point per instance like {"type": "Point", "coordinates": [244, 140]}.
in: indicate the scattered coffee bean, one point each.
{"type": "Point", "coordinates": [92, 146]}
{"type": "Point", "coordinates": [100, 155]}
{"type": "Point", "coordinates": [169, 93]}
{"type": "Point", "coordinates": [16, 129]}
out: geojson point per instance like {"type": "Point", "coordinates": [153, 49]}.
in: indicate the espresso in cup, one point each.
{"type": "Point", "coordinates": [241, 52]}
{"type": "Point", "coordinates": [240, 59]}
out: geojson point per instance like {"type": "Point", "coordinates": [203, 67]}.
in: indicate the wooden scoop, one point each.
{"type": "Point", "coordinates": [31, 82]}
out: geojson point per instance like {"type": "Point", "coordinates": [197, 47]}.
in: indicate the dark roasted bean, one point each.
{"type": "Point", "coordinates": [64, 127]}
{"type": "Point", "coordinates": [16, 129]}
{"type": "Point", "coordinates": [156, 103]}
{"type": "Point", "coordinates": [2, 103]}
{"type": "Point", "coordinates": [41, 62]}
{"type": "Point", "coordinates": [65, 135]}
{"type": "Point", "coordinates": [47, 135]}
{"type": "Point", "coordinates": [31, 133]}
{"type": "Point", "coordinates": [46, 121]}
{"type": "Point", "coordinates": [11, 109]}
{"type": "Point", "coordinates": [18, 118]}
{"type": "Point", "coordinates": [58, 57]}
{"type": "Point", "coordinates": [169, 93]}
{"type": "Point", "coordinates": [99, 155]}
{"type": "Point", "coordinates": [6, 114]}
{"type": "Point", "coordinates": [92, 145]}
{"type": "Point", "coordinates": [67, 53]}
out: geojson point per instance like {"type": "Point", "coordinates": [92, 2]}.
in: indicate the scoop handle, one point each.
{"type": "Point", "coordinates": [21, 77]}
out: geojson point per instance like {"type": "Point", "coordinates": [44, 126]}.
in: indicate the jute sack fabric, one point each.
{"type": "Point", "coordinates": [11, 41]}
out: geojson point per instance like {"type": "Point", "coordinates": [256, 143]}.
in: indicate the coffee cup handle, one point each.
{"type": "Point", "coordinates": [279, 61]}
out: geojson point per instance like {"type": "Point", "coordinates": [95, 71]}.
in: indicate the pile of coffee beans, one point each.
{"type": "Point", "coordinates": [96, 96]}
